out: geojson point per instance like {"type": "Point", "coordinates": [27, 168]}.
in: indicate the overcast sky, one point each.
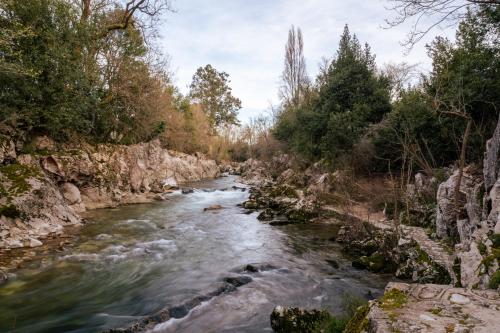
{"type": "Point", "coordinates": [246, 39]}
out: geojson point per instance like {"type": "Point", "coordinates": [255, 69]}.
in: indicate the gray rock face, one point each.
{"type": "Point", "coordinates": [71, 193]}
{"type": "Point", "coordinates": [478, 222]}
{"type": "Point", "coordinates": [491, 166]}
{"type": "Point", "coordinates": [446, 221]}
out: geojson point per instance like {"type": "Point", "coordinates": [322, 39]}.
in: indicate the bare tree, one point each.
{"type": "Point", "coordinates": [294, 75]}
{"type": "Point", "coordinates": [441, 12]}
{"type": "Point", "coordinates": [401, 75]}
{"type": "Point", "coordinates": [143, 14]}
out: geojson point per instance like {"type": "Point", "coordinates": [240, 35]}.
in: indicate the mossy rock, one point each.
{"type": "Point", "coordinates": [10, 211]}
{"type": "Point", "coordinates": [393, 299]}
{"type": "Point", "coordinates": [359, 322]}
{"type": "Point", "coordinates": [250, 204]}
{"type": "Point", "coordinates": [299, 215]}
{"type": "Point", "coordinates": [15, 178]}
{"type": "Point", "coordinates": [488, 260]}
{"type": "Point", "coordinates": [494, 280]}
{"type": "Point", "coordinates": [283, 191]}
{"type": "Point", "coordinates": [295, 320]}
{"type": "Point", "coordinates": [495, 239]}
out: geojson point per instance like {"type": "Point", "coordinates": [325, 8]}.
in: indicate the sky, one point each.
{"type": "Point", "coordinates": [246, 39]}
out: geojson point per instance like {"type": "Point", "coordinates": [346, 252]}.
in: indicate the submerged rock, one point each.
{"type": "Point", "coordinates": [187, 190]}
{"type": "Point", "coordinates": [333, 263]}
{"type": "Point", "coordinates": [147, 323]}
{"type": "Point", "coordinates": [238, 281]}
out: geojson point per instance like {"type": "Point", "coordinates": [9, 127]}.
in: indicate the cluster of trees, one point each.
{"type": "Point", "coordinates": [91, 69]}
{"type": "Point", "coordinates": [369, 119]}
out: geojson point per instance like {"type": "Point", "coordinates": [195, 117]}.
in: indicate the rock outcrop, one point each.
{"type": "Point", "coordinates": [475, 230]}
{"type": "Point", "coordinates": [416, 308]}
{"type": "Point", "coordinates": [44, 191]}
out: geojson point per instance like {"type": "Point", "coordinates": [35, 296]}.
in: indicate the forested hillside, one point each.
{"type": "Point", "coordinates": [93, 71]}
{"type": "Point", "coordinates": [371, 118]}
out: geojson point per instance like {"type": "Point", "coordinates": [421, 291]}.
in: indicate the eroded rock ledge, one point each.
{"type": "Point", "coordinates": [51, 187]}
{"type": "Point", "coordinates": [419, 308]}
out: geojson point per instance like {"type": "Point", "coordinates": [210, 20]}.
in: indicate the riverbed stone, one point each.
{"type": "Point", "coordinates": [212, 207]}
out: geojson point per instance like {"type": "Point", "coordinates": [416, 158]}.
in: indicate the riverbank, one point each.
{"type": "Point", "coordinates": [164, 263]}
{"type": "Point", "coordinates": [46, 187]}
{"type": "Point", "coordinates": [425, 242]}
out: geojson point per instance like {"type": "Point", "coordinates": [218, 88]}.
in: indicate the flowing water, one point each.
{"type": "Point", "coordinates": [133, 261]}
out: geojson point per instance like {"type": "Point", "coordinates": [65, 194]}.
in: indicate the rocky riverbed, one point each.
{"type": "Point", "coordinates": [172, 266]}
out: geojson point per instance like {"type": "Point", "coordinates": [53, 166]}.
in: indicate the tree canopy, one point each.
{"type": "Point", "coordinates": [210, 88]}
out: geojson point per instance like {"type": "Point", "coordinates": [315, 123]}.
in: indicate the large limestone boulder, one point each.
{"type": "Point", "coordinates": [446, 215]}
{"type": "Point", "coordinates": [71, 193]}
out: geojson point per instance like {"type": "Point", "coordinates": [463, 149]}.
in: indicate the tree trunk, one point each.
{"type": "Point", "coordinates": [85, 10]}
{"type": "Point", "coordinates": [461, 166]}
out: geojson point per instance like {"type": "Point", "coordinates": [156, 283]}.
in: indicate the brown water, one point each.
{"type": "Point", "coordinates": [133, 261]}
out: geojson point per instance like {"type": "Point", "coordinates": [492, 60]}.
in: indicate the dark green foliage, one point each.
{"type": "Point", "coordinates": [414, 125]}
{"type": "Point", "coordinates": [9, 211]}
{"type": "Point", "coordinates": [211, 89]}
{"type": "Point", "coordinates": [351, 98]}
{"type": "Point", "coordinates": [465, 77]}
{"type": "Point", "coordinates": [495, 280]}
{"type": "Point", "coordinates": [349, 118]}
{"type": "Point", "coordinates": [69, 77]}
{"type": "Point", "coordinates": [49, 92]}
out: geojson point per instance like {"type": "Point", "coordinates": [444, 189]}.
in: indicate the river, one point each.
{"type": "Point", "coordinates": [132, 261]}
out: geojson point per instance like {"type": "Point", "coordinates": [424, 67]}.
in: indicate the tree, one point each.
{"type": "Point", "coordinates": [353, 97]}
{"type": "Point", "coordinates": [294, 76]}
{"type": "Point", "coordinates": [400, 76]}
{"type": "Point", "coordinates": [447, 12]}
{"type": "Point", "coordinates": [464, 83]}
{"type": "Point", "coordinates": [210, 88]}
{"type": "Point", "coordinates": [142, 14]}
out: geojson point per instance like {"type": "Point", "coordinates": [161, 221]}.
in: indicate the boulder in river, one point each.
{"type": "Point", "coordinates": [187, 190]}
{"type": "Point", "coordinates": [212, 207]}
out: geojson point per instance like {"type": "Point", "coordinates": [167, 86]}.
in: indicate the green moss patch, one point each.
{"type": "Point", "coordinates": [359, 321]}
{"type": "Point", "coordinates": [495, 238]}
{"type": "Point", "coordinates": [15, 177]}
{"type": "Point", "coordinates": [488, 260]}
{"type": "Point", "coordinates": [393, 299]}
{"type": "Point", "coordinates": [494, 280]}
{"type": "Point", "coordinates": [436, 311]}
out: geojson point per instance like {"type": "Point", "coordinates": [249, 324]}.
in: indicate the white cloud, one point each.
{"type": "Point", "coordinates": [246, 39]}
